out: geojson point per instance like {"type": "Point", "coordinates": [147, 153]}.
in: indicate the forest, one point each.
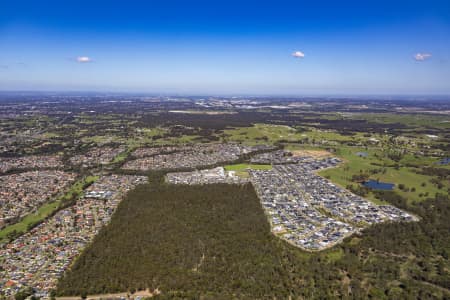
{"type": "Point", "coordinates": [214, 242]}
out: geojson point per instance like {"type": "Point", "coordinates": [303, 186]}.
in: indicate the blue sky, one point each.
{"type": "Point", "coordinates": [227, 47]}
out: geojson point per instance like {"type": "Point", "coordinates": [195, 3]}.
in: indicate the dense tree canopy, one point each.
{"type": "Point", "coordinates": [214, 241]}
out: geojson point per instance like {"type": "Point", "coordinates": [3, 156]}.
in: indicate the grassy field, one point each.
{"type": "Point", "coordinates": [47, 209]}
{"type": "Point", "coordinates": [151, 132]}
{"type": "Point", "coordinates": [121, 157]}
{"type": "Point", "coordinates": [241, 169]}
{"type": "Point", "coordinates": [77, 188]}
{"type": "Point", "coordinates": [145, 137]}
{"type": "Point", "coordinates": [261, 133]}
{"type": "Point", "coordinates": [184, 139]}
{"type": "Point", "coordinates": [417, 186]}
{"type": "Point", "coordinates": [43, 211]}
{"type": "Point", "coordinates": [101, 139]}
{"type": "Point", "coordinates": [412, 120]}
{"type": "Point", "coordinates": [353, 165]}
{"type": "Point", "coordinates": [270, 134]}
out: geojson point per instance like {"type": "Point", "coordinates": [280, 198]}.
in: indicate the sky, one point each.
{"type": "Point", "coordinates": [227, 47]}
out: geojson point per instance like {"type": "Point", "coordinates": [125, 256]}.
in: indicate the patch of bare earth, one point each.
{"type": "Point", "coordinates": [143, 293]}
{"type": "Point", "coordinates": [311, 153]}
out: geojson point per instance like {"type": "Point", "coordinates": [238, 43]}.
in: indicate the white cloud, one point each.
{"type": "Point", "coordinates": [298, 54]}
{"type": "Point", "coordinates": [84, 59]}
{"type": "Point", "coordinates": [422, 56]}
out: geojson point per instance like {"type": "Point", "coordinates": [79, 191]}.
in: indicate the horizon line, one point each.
{"type": "Point", "coordinates": [209, 94]}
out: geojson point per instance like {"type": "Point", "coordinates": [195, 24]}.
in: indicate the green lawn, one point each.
{"type": "Point", "coordinates": [122, 156]}
{"type": "Point", "coordinates": [241, 169]}
{"type": "Point", "coordinates": [42, 213]}
{"type": "Point", "coordinates": [77, 188]}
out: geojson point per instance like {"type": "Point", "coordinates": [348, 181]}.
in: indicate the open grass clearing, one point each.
{"type": "Point", "coordinates": [354, 165]}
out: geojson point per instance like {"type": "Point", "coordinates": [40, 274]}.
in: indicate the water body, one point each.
{"type": "Point", "coordinates": [377, 185]}
{"type": "Point", "coordinates": [444, 161]}
{"type": "Point", "coordinates": [362, 154]}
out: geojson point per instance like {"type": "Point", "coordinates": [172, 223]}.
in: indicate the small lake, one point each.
{"type": "Point", "coordinates": [362, 154]}
{"type": "Point", "coordinates": [378, 185]}
{"type": "Point", "coordinates": [444, 161]}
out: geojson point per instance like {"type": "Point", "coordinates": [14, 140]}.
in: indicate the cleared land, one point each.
{"type": "Point", "coordinates": [261, 132]}
{"type": "Point", "coordinates": [241, 169]}
{"type": "Point", "coordinates": [311, 153]}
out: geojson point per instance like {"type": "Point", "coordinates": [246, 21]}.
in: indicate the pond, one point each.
{"type": "Point", "coordinates": [362, 154]}
{"type": "Point", "coordinates": [378, 185]}
{"type": "Point", "coordinates": [444, 161]}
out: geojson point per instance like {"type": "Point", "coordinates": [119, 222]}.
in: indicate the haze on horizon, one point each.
{"type": "Point", "coordinates": [247, 47]}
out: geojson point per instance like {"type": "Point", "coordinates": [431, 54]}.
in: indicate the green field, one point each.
{"type": "Point", "coordinates": [261, 133]}
{"type": "Point", "coordinates": [43, 211]}
{"type": "Point", "coordinates": [184, 139]}
{"type": "Point", "coordinates": [412, 120]}
{"type": "Point", "coordinates": [77, 188]}
{"type": "Point", "coordinates": [100, 139]}
{"type": "Point", "coordinates": [241, 169]}
{"type": "Point", "coordinates": [403, 173]}
{"type": "Point", "coordinates": [270, 134]}
{"type": "Point", "coordinates": [47, 209]}
{"type": "Point", "coordinates": [353, 165]}
{"type": "Point", "coordinates": [122, 156]}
